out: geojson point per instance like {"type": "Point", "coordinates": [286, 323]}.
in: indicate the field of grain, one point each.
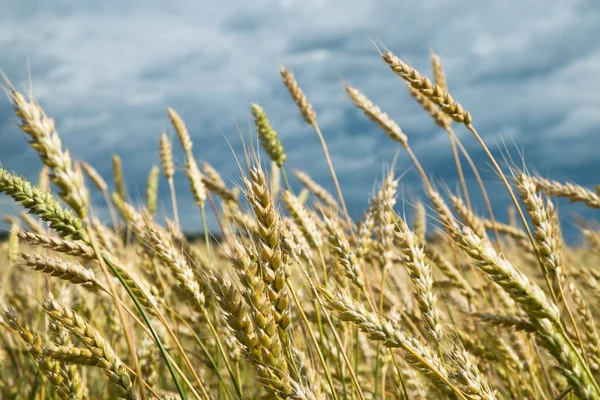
{"type": "Point", "coordinates": [296, 300]}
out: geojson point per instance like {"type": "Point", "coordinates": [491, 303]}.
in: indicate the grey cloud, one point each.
{"type": "Point", "coordinates": [107, 71]}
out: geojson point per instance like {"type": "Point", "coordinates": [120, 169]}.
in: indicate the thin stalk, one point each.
{"type": "Point", "coordinates": [186, 359]}
{"type": "Point", "coordinates": [322, 260]}
{"type": "Point", "coordinates": [356, 352]}
{"type": "Point", "coordinates": [207, 353]}
{"type": "Point", "coordinates": [135, 375]}
{"type": "Point", "coordinates": [222, 351]}
{"type": "Point", "coordinates": [174, 202]}
{"type": "Point", "coordinates": [378, 350]}
{"type": "Point", "coordinates": [342, 375]}
{"type": "Point", "coordinates": [146, 321]}
{"type": "Point", "coordinates": [149, 333]}
{"type": "Point", "coordinates": [486, 198]}
{"type": "Point", "coordinates": [338, 341]}
{"type": "Point", "coordinates": [206, 234]}
{"type": "Point", "coordinates": [547, 378]}
{"type": "Point", "coordinates": [564, 393]}
{"type": "Point", "coordinates": [383, 377]}
{"type": "Point", "coordinates": [310, 272]}
{"type": "Point", "coordinates": [111, 209]}
{"type": "Point", "coordinates": [224, 231]}
{"type": "Point", "coordinates": [314, 340]}
{"type": "Point", "coordinates": [126, 328]}
{"type": "Point", "coordinates": [459, 169]}
{"type": "Point", "coordinates": [457, 391]}
{"type": "Point", "coordinates": [334, 177]}
{"type": "Point", "coordinates": [217, 365]}
{"type": "Point", "coordinates": [399, 374]}
{"type": "Point", "coordinates": [285, 180]}
{"type": "Point", "coordinates": [572, 318]}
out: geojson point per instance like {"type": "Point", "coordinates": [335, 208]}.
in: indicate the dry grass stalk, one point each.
{"type": "Point", "coordinates": [507, 229]}
{"type": "Point", "coordinates": [531, 298]}
{"type": "Point", "coordinates": [468, 375]}
{"type": "Point", "coordinates": [543, 313]}
{"type": "Point", "coordinates": [174, 260]}
{"type": "Point", "coordinates": [70, 373]}
{"type": "Point", "coordinates": [212, 173]}
{"type": "Point", "coordinates": [219, 189]}
{"type": "Point", "coordinates": [265, 317]}
{"type": "Point", "coordinates": [101, 185]}
{"type": "Point", "coordinates": [365, 232]}
{"type": "Point", "coordinates": [448, 269]}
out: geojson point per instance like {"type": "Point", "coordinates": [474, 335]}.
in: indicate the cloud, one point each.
{"type": "Point", "coordinates": [107, 71]}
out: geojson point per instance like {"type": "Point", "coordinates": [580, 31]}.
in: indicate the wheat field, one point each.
{"type": "Point", "coordinates": [297, 300]}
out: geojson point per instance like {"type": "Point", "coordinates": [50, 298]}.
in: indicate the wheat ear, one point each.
{"type": "Point", "coordinates": [115, 370]}
{"type": "Point", "coordinates": [152, 189]}
{"type": "Point", "coordinates": [46, 141]}
{"type": "Point", "coordinates": [573, 192]}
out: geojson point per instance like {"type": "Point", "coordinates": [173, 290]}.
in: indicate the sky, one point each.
{"type": "Point", "coordinates": [107, 71]}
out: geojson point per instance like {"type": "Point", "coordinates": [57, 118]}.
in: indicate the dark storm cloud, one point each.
{"type": "Point", "coordinates": [107, 71]}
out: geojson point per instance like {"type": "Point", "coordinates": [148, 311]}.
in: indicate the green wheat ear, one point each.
{"type": "Point", "coordinates": [43, 204]}
{"type": "Point", "coordinates": [268, 136]}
